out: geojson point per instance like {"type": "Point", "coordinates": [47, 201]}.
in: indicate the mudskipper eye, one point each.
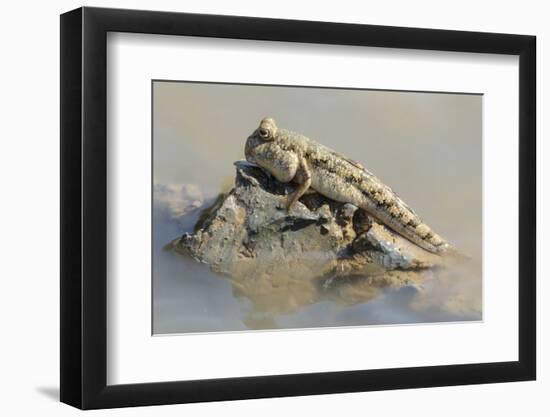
{"type": "Point", "coordinates": [264, 133]}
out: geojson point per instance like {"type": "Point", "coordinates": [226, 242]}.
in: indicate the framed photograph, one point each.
{"type": "Point", "coordinates": [256, 207]}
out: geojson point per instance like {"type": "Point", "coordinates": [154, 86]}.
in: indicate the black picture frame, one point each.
{"type": "Point", "coordinates": [84, 207]}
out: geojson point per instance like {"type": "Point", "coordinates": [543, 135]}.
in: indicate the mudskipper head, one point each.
{"type": "Point", "coordinates": [266, 132]}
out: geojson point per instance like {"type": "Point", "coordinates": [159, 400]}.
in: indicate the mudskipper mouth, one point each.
{"type": "Point", "coordinates": [248, 147]}
{"type": "Point", "coordinates": [250, 158]}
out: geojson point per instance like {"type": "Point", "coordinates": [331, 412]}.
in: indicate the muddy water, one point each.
{"type": "Point", "coordinates": [426, 146]}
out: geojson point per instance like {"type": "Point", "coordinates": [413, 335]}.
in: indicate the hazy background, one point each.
{"type": "Point", "coordinates": [426, 146]}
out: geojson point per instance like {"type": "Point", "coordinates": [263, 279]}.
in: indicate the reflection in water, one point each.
{"type": "Point", "coordinates": [191, 298]}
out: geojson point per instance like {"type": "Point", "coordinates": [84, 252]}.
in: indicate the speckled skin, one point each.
{"type": "Point", "coordinates": [289, 156]}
